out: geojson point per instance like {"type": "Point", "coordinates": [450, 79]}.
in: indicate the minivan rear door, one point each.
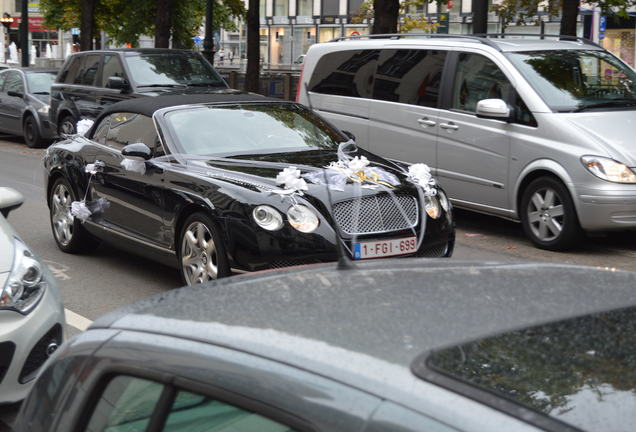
{"type": "Point", "coordinates": [403, 115]}
{"type": "Point", "coordinates": [472, 152]}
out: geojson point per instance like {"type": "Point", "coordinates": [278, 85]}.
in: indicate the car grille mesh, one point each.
{"type": "Point", "coordinates": [376, 214]}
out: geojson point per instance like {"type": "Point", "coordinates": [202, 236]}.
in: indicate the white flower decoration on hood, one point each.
{"type": "Point", "coordinates": [84, 126]}
{"type": "Point", "coordinates": [420, 174]}
{"type": "Point", "coordinates": [358, 163]}
{"type": "Point", "coordinates": [291, 180]}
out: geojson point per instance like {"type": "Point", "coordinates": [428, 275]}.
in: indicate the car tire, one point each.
{"type": "Point", "coordinates": [31, 133]}
{"type": "Point", "coordinates": [202, 254]}
{"type": "Point", "coordinates": [68, 232]}
{"type": "Point", "coordinates": [548, 215]}
{"type": "Point", "coordinates": [67, 125]}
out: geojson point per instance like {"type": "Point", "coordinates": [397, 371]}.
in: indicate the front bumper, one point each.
{"type": "Point", "coordinates": [607, 209]}
{"type": "Point", "coordinates": [24, 340]}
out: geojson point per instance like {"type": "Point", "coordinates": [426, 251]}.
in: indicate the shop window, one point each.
{"type": "Point", "coordinates": [353, 7]}
{"type": "Point", "coordinates": [331, 7]}
{"type": "Point", "coordinates": [281, 8]}
{"type": "Point", "coordinates": [305, 8]}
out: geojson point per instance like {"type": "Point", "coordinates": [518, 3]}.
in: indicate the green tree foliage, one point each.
{"type": "Point", "coordinates": [409, 20]}
{"type": "Point", "coordinates": [125, 20]}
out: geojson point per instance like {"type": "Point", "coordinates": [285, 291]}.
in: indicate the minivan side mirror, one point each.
{"type": "Point", "coordinates": [495, 109]}
{"type": "Point", "coordinates": [118, 83]}
{"type": "Point", "coordinates": [10, 199]}
{"type": "Point", "coordinates": [15, 94]}
{"type": "Point", "coordinates": [139, 151]}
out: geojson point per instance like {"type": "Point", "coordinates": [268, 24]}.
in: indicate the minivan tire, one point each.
{"type": "Point", "coordinates": [548, 215]}
{"type": "Point", "coordinates": [67, 125]}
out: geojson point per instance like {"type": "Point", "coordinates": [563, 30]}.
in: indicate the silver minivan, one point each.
{"type": "Point", "coordinates": [533, 130]}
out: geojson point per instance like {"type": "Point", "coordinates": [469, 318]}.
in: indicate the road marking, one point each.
{"type": "Point", "coordinates": [58, 270]}
{"type": "Point", "coordinates": [76, 320]}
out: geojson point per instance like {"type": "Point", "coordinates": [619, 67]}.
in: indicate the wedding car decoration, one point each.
{"type": "Point", "coordinates": [84, 210]}
{"type": "Point", "coordinates": [83, 126]}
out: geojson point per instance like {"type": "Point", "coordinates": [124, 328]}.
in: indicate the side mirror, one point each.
{"type": "Point", "coordinates": [118, 83]}
{"type": "Point", "coordinates": [15, 94]}
{"type": "Point", "coordinates": [10, 199]}
{"type": "Point", "coordinates": [138, 151]}
{"type": "Point", "coordinates": [495, 109]}
{"type": "Point", "coordinates": [349, 135]}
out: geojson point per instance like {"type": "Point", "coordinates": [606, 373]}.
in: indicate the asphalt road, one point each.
{"type": "Point", "coordinates": [94, 284]}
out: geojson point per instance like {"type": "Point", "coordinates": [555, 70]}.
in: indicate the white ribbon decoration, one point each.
{"type": "Point", "coordinates": [84, 126]}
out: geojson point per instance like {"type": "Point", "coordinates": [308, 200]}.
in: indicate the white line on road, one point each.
{"type": "Point", "coordinates": [76, 320]}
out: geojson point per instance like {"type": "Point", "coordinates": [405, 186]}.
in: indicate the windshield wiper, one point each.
{"type": "Point", "coordinates": [614, 103]}
{"type": "Point", "coordinates": [205, 85]}
{"type": "Point", "coordinates": [164, 85]}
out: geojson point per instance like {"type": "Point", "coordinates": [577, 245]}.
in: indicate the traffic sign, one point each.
{"type": "Point", "coordinates": [602, 26]}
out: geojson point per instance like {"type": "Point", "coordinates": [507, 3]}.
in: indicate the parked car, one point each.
{"type": "Point", "coordinates": [24, 104]}
{"type": "Point", "coordinates": [206, 194]}
{"type": "Point", "coordinates": [91, 80]}
{"type": "Point", "coordinates": [537, 131]}
{"type": "Point", "coordinates": [31, 312]}
{"type": "Point", "coordinates": [397, 345]}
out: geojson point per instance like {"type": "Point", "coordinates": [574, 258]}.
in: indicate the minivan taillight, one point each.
{"type": "Point", "coordinates": [300, 83]}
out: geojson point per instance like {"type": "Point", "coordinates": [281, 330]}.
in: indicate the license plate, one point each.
{"type": "Point", "coordinates": [384, 248]}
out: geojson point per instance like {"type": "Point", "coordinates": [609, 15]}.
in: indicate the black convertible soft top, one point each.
{"type": "Point", "coordinates": [149, 105]}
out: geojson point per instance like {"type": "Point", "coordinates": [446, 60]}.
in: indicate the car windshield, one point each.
{"type": "Point", "coordinates": [40, 82]}
{"type": "Point", "coordinates": [172, 69]}
{"type": "Point", "coordinates": [581, 371]}
{"type": "Point", "coordinates": [578, 80]}
{"type": "Point", "coordinates": [249, 129]}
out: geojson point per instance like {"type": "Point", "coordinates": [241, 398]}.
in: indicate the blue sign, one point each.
{"type": "Point", "coordinates": [198, 40]}
{"type": "Point", "coordinates": [75, 31]}
{"type": "Point", "coordinates": [602, 26]}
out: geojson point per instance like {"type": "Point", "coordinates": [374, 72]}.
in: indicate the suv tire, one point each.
{"type": "Point", "coordinates": [67, 125]}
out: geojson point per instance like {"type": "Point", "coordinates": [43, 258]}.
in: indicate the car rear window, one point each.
{"type": "Point", "coordinates": [581, 371]}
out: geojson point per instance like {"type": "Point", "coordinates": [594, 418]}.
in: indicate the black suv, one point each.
{"type": "Point", "coordinates": [91, 80]}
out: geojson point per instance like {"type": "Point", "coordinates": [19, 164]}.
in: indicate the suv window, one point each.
{"type": "Point", "coordinates": [72, 70]}
{"type": "Point", "coordinates": [128, 404]}
{"type": "Point", "coordinates": [112, 68]}
{"type": "Point", "coordinates": [88, 74]}
{"type": "Point", "coordinates": [14, 82]}
{"type": "Point", "coordinates": [130, 128]}
{"type": "Point", "coordinates": [409, 76]}
{"type": "Point", "coordinates": [345, 73]}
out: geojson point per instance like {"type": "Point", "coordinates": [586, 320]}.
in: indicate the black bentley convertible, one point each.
{"type": "Point", "coordinates": [219, 183]}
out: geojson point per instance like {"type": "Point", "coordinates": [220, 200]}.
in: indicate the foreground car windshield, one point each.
{"type": "Point", "coordinates": [576, 80]}
{"type": "Point", "coordinates": [249, 129]}
{"type": "Point", "coordinates": [40, 82]}
{"type": "Point", "coordinates": [581, 371]}
{"type": "Point", "coordinates": [171, 69]}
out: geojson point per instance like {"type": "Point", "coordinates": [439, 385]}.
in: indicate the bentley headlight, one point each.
{"type": "Point", "coordinates": [25, 286]}
{"type": "Point", "coordinates": [267, 217]}
{"type": "Point", "coordinates": [443, 200]}
{"type": "Point", "coordinates": [609, 169]}
{"type": "Point", "coordinates": [302, 218]}
{"type": "Point", "coordinates": [431, 205]}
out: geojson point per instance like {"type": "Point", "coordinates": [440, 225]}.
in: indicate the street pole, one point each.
{"type": "Point", "coordinates": [208, 46]}
{"type": "Point", "coordinates": [24, 33]}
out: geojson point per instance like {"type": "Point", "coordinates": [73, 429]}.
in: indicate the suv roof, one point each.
{"type": "Point", "coordinates": [136, 51]}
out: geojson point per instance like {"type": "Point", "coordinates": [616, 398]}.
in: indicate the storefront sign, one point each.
{"type": "Point", "coordinates": [36, 24]}
{"type": "Point", "coordinates": [442, 20]}
{"type": "Point", "coordinates": [34, 6]}
{"type": "Point", "coordinates": [602, 26]}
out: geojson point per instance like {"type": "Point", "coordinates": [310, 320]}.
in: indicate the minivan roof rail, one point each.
{"type": "Point", "coordinates": [482, 38]}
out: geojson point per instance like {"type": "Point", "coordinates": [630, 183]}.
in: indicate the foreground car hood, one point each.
{"type": "Point", "coordinates": [614, 130]}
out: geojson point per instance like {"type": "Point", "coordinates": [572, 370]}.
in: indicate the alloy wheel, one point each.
{"type": "Point", "coordinates": [61, 216]}
{"type": "Point", "coordinates": [546, 214]}
{"type": "Point", "coordinates": [199, 257]}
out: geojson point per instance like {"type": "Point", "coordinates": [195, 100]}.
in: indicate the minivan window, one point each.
{"type": "Point", "coordinates": [345, 73]}
{"type": "Point", "coordinates": [478, 78]}
{"type": "Point", "coordinates": [575, 80]}
{"type": "Point", "coordinates": [172, 69]}
{"type": "Point", "coordinates": [409, 76]}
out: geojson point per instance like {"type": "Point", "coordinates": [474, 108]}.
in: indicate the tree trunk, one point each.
{"type": "Point", "coordinates": [163, 23]}
{"type": "Point", "coordinates": [252, 74]}
{"type": "Point", "coordinates": [569, 15]}
{"type": "Point", "coordinates": [480, 16]}
{"type": "Point", "coordinates": [385, 16]}
{"type": "Point", "coordinates": [87, 24]}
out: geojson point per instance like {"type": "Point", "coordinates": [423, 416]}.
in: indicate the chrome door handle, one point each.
{"type": "Point", "coordinates": [424, 121]}
{"type": "Point", "coordinates": [451, 126]}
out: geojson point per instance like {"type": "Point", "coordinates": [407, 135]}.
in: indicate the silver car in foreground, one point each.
{"type": "Point", "coordinates": [31, 311]}
{"type": "Point", "coordinates": [537, 131]}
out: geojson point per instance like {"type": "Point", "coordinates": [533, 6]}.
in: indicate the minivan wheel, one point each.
{"type": "Point", "coordinates": [548, 215]}
{"type": "Point", "coordinates": [68, 232]}
{"type": "Point", "coordinates": [201, 254]}
{"type": "Point", "coordinates": [31, 133]}
{"type": "Point", "coordinates": [67, 125]}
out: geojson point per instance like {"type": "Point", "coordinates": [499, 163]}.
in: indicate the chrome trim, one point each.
{"type": "Point", "coordinates": [129, 237]}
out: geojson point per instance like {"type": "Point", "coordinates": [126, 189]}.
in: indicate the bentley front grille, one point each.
{"type": "Point", "coordinates": [376, 214]}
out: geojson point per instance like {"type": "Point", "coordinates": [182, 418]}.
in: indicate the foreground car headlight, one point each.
{"type": "Point", "coordinates": [44, 109]}
{"type": "Point", "coordinates": [431, 205]}
{"type": "Point", "coordinates": [24, 287]}
{"type": "Point", "coordinates": [267, 218]}
{"type": "Point", "coordinates": [443, 200]}
{"type": "Point", "coordinates": [302, 218]}
{"type": "Point", "coordinates": [609, 169]}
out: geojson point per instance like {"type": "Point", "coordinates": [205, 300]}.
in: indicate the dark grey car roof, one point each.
{"type": "Point", "coordinates": [389, 311]}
